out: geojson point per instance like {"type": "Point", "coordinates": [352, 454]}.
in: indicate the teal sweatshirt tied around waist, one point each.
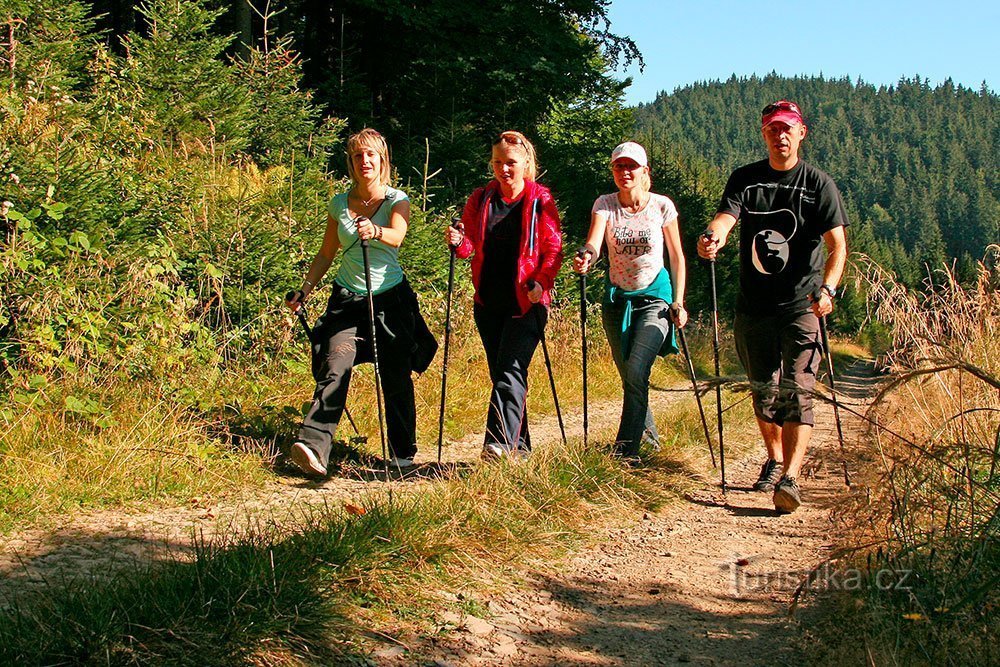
{"type": "Point", "coordinates": [660, 288]}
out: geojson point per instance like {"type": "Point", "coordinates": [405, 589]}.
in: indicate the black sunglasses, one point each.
{"type": "Point", "coordinates": [780, 106]}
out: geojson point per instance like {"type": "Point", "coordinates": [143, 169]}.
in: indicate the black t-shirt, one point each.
{"type": "Point", "coordinates": [501, 249]}
{"type": "Point", "coordinates": [783, 216]}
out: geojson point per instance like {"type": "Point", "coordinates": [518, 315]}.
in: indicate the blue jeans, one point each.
{"type": "Point", "coordinates": [509, 343]}
{"type": "Point", "coordinates": [650, 328]}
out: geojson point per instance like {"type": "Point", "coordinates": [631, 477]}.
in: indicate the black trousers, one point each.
{"type": "Point", "coordinates": [340, 341]}
{"type": "Point", "coordinates": [509, 343]}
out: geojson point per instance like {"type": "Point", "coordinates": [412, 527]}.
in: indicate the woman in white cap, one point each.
{"type": "Point", "coordinates": [644, 295]}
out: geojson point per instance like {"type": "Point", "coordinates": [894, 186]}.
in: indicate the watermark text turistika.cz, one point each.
{"type": "Point", "coordinates": [824, 578]}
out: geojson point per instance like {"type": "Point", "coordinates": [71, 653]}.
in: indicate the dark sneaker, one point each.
{"type": "Point", "coordinates": [305, 458]}
{"type": "Point", "coordinates": [492, 452]}
{"type": "Point", "coordinates": [786, 495]}
{"type": "Point", "coordinates": [519, 454]}
{"type": "Point", "coordinates": [770, 473]}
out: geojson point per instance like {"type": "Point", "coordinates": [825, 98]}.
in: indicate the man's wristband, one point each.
{"type": "Point", "coordinates": [830, 290]}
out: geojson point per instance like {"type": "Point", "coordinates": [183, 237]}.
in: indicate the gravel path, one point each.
{"type": "Point", "coordinates": [708, 581]}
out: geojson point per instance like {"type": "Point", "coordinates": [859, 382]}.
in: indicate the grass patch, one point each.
{"type": "Point", "coordinates": [305, 593]}
{"type": "Point", "coordinates": [924, 535]}
{"type": "Point", "coordinates": [218, 429]}
{"type": "Point", "coordinates": [152, 449]}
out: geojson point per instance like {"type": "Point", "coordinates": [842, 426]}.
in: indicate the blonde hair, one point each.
{"type": "Point", "coordinates": [514, 138]}
{"type": "Point", "coordinates": [644, 181]}
{"type": "Point", "coordinates": [369, 138]}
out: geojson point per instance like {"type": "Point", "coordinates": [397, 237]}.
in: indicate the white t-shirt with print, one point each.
{"type": "Point", "coordinates": [635, 240]}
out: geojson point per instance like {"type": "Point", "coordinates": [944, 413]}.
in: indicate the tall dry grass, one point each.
{"type": "Point", "coordinates": [928, 523]}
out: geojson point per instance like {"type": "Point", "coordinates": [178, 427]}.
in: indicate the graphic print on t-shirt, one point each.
{"type": "Point", "coordinates": [632, 242]}
{"type": "Point", "coordinates": [635, 240]}
{"type": "Point", "coordinates": [775, 229]}
{"type": "Point", "coordinates": [770, 245]}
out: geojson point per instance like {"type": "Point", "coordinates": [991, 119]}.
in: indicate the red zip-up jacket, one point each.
{"type": "Point", "coordinates": [541, 239]}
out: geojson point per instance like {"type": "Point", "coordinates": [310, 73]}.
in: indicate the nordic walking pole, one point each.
{"type": "Point", "coordinates": [548, 366]}
{"type": "Point", "coordinates": [371, 329]}
{"type": "Point", "coordinates": [710, 237]}
{"type": "Point", "coordinates": [447, 337]}
{"type": "Point", "coordinates": [583, 344]}
{"type": "Point", "coordinates": [833, 393]}
{"type": "Point", "coordinates": [300, 312]}
{"type": "Point", "coordinates": [697, 396]}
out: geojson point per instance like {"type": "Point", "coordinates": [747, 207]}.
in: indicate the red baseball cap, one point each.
{"type": "Point", "coordinates": [782, 111]}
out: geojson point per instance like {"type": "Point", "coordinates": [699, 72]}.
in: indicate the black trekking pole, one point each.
{"type": "Point", "coordinates": [548, 366]}
{"type": "Point", "coordinates": [833, 394]}
{"type": "Point", "coordinates": [715, 347]}
{"type": "Point", "coordinates": [371, 329]}
{"type": "Point", "coordinates": [583, 344]}
{"type": "Point", "coordinates": [447, 337]}
{"type": "Point", "coordinates": [300, 312]}
{"type": "Point", "coordinates": [697, 396]}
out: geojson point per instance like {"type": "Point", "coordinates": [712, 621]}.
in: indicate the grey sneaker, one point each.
{"type": "Point", "coordinates": [786, 495]}
{"type": "Point", "coordinates": [307, 461]}
{"type": "Point", "coordinates": [770, 473]}
{"type": "Point", "coordinates": [400, 462]}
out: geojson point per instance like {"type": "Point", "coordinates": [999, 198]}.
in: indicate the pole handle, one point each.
{"type": "Point", "coordinates": [456, 224]}
{"type": "Point", "coordinates": [709, 237]}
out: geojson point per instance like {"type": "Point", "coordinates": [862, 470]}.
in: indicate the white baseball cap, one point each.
{"type": "Point", "coordinates": [631, 150]}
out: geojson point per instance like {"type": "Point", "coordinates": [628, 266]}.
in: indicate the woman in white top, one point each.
{"type": "Point", "coordinates": [644, 297]}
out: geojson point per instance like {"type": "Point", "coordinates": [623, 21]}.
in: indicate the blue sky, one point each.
{"type": "Point", "coordinates": [878, 40]}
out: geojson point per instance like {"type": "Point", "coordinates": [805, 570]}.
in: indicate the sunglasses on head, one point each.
{"type": "Point", "coordinates": [781, 106]}
{"type": "Point", "coordinates": [509, 139]}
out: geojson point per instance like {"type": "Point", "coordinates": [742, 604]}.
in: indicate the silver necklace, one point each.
{"type": "Point", "coordinates": [368, 202]}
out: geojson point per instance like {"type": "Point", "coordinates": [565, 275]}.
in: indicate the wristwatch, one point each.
{"type": "Point", "coordinates": [830, 290]}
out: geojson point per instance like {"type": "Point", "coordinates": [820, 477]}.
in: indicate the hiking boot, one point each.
{"type": "Point", "coordinates": [786, 495]}
{"type": "Point", "coordinates": [400, 462]}
{"type": "Point", "coordinates": [770, 473]}
{"type": "Point", "coordinates": [305, 458]}
{"type": "Point", "coordinates": [492, 452]}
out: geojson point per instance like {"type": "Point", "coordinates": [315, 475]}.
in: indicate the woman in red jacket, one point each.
{"type": "Point", "coordinates": [510, 227]}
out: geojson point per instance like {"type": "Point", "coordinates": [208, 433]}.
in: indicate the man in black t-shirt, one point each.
{"type": "Point", "coordinates": [793, 249]}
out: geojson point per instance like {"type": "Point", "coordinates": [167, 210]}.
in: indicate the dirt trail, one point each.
{"type": "Point", "coordinates": [706, 581]}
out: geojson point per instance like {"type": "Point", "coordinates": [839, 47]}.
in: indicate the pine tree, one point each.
{"type": "Point", "coordinates": [180, 78]}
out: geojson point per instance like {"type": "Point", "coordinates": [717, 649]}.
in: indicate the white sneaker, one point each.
{"type": "Point", "coordinates": [400, 462]}
{"type": "Point", "coordinates": [492, 452]}
{"type": "Point", "coordinates": [305, 458]}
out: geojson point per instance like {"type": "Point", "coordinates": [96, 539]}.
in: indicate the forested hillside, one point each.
{"type": "Point", "coordinates": [918, 166]}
